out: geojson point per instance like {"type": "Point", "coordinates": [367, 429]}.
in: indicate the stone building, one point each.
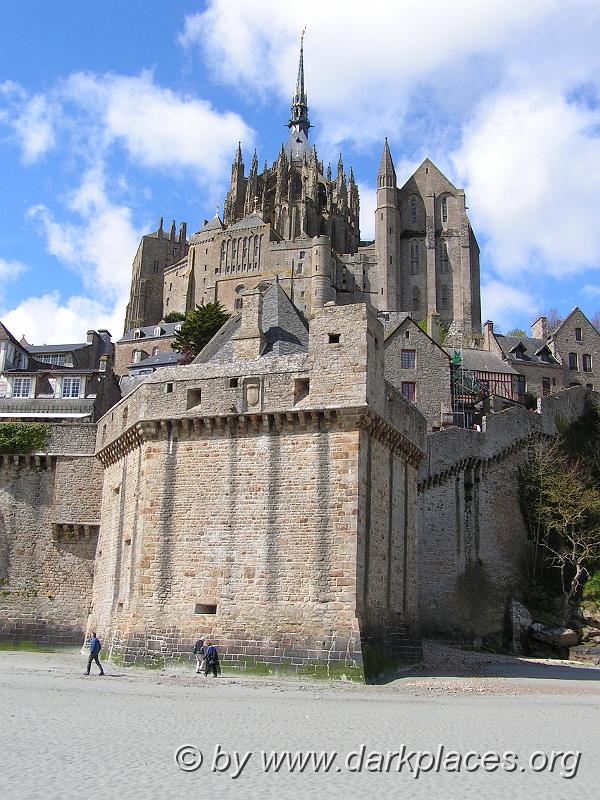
{"type": "Point", "coordinates": [140, 344]}
{"type": "Point", "coordinates": [57, 382]}
{"type": "Point", "coordinates": [265, 495]}
{"type": "Point", "coordinates": [576, 343]}
{"type": "Point", "coordinates": [418, 367]}
{"type": "Point", "coordinates": [298, 220]}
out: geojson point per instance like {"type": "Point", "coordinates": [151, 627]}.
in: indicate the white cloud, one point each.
{"type": "Point", "coordinates": [10, 270]}
{"type": "Point", "coordinates": [531, 162]}
{"type": "Point", "coordinates": [48, 319]}
{"type": "Point", "coordinates": [31, 118]}
{"type": "Point", "coordinates": [591, 291]}
{"type": "Point", "coordinates": [159, 128]}
{"type": "Point", "coordinates": [503, 304]}
{"type": "Point", "coordinates": [101, 245]}
{"type": "Point", "coordinates": [390, 57]}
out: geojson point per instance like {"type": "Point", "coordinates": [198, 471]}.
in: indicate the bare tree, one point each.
{"type": "Point", "coordinates": [554, 319]}
{"type": "Point", "coordinates": [563, 514]}
{"type": "Point", "coordinates": [595, 320]}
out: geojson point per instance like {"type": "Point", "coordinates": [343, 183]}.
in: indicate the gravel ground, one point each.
{"type": "Point", "coordinates": [63, 735]}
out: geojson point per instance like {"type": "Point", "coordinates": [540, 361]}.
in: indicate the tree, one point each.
{"type": "Point", "coordinates": [595, 320]}
{"type": "Point", "coordinates": [553, 319]}
{"type": "Point", "coordinates": [175, 316]}
{"type": "Point", "coordinates": [561, 506]}
{"type": "Point", "coordinates": [198, 329]}
{"type": "Point", "coordinates": [516, 332]}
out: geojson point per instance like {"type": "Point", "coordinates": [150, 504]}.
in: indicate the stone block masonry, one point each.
{"type": "Point", "coordinates": [49, 515]}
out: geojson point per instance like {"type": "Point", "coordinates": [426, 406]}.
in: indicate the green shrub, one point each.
{"type": "Point", "coordinates": [591, 588]}
{"type": "Point", "coordinates": [23, 437]}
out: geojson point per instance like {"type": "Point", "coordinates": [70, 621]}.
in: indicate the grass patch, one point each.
{"type": "Point", "coordinates": [26, 646]}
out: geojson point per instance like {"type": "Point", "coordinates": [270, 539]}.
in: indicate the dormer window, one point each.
{"type": "Point", "coordinates": [137, 334]}
{"type": "Point", "coordinates": [178, 326]}
{"type": "Point", "coordinates": [519, 351]}
{"type": "Point", "coordinates": [158, 331]}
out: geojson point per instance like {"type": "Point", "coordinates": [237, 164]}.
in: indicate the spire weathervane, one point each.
{"type": "Point", "coordinates": [299, 109]}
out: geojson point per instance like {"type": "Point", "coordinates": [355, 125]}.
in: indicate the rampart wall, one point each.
{"type": "Point", "coordinates": [49, 517]}
{"type": "Point", "coordinates": [472, 542]}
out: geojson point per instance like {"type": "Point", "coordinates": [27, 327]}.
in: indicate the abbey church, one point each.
{"type": "Point", "coordinates": [333, 477]}
{"type": "Point", "coordinates": [299, 222]}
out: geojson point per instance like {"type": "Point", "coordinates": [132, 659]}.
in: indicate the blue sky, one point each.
{"type": "Point", "coordinates": [113, 114]}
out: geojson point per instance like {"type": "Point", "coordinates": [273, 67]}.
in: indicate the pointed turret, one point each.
{"type": "Point", "coordinates": [299, 110]}
{"type": "Point", "coordinates": [387, 174]}
{"type": "Point", "coordinates": [251, 186]}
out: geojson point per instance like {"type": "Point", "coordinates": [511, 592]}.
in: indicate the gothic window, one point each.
{"type": "Point", "coordinates": [296, 186]}
{"type": "Point", "coordinates": [245, 250]}
{"type": "Point", "coordinates": [256, 248]}
{"type": "Point", "coordinates": [444, 260]}
{"type": "Point", "coordinates": [413, 210]}
{"type": "Point", "coordinates": [414, 258]}
{"type": "Point", "coordinates": [223, 252]}
{"type": "Point", "coordinates": [444, 298]}
{"type": "Point", "coordinates": [409, 390]}
{"type": "Point", "coordinates": [444, 205]}
{"type": "Point", "coordinates": [416, 298]}
{"type": "Point", "coordinates": [573, 361]}
{"type": "Point", "coordinates": [587, 362]}
{"type": "Point", "coordinates": [260, 242]}
{"type": "Point", "coordinates": [234, 253]}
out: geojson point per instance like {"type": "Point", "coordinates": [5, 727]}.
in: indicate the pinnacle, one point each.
{"type": "Point", "coordinates": [386, 165]}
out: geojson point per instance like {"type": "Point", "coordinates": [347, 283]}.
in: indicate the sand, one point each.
{"type": "Point", "coordinates": [64, 735]}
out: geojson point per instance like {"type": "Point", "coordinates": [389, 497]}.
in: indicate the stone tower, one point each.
{"type": "Point", "coordinates": [156, 251]}
{"type": "Point", "coordinates": [427, 254]}
{"type": "Point", "coordinates": [387, 235]}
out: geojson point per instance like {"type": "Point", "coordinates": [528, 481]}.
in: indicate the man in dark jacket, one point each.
{"type": "Point", "coordinates": [211, 661]}
{"type": "Point", "coordinates": [95, 648]}
{"type": "Point", "coordinates": [198, 651]}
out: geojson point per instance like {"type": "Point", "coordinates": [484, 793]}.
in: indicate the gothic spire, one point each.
{"type": "Point", "coordinates": [299, 109]}
{"type": "Point", "coordinates": [386, 165]}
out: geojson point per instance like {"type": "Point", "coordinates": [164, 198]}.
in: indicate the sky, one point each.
{"type": "Point", "coordinates": [114, 114]}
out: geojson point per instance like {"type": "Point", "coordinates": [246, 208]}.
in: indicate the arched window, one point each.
{"type": "Point", "coordinates": [444, 260]}
{"type": "Point", "coordinates": [239, 291]}
{"type": "Point", "coordinates": [256, 248]}
{"type": "Point", "coordinates": [444, 298]}
{"type": "Point", "coordinates": [223, 252]}
{"type": "Point", "coordinates": [416, 298]}
{"type": "Point", "coordinates": [444, 208]}
{"type": "Point", "coordinates": [244, 250]}
{"type": "Point", "coordinates": [415, 256]}
{"type": "Point", "coordinates": [234, 253]}
{"type": "Point", "coordinates": [413, 210]}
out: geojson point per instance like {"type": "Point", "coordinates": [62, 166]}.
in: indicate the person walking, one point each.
{"type": "Point", "coordinates": [198, 651]}
{"type": "Point", "coordinates": [95, 647]}
{"type": "Point", "coordinates": [211, 660]}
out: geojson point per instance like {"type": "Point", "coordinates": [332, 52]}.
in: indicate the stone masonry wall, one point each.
{"type": "Point", "coordinates": [49, 515]}
{"type": "Point", "coordinates": [472, 541]}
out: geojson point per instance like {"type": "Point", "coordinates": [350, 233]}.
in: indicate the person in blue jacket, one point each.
{"type": "Point", "coordinates": [95, 647]}
{"type": "Point", "coordinates": [211, 661]}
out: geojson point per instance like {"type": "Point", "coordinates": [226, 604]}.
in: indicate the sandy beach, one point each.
{"type": "Point", "coordinates": [64, 735]}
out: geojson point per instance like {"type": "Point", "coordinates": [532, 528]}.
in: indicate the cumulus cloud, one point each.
{"type": "Point", "coordinates": [531, 162]}
{"type": "Point", "coordinates": [31, 118]}
{"type": "Point", "coordinates": [387, 60]}
{"type": "Point", "coordinates": [48, 319]}
{"type": "Point", "coordinates": [100, 245]}
{"type": "Point", "coordinates": [503, 303]}
{"type": "Point", "coordinates": [159, 128]}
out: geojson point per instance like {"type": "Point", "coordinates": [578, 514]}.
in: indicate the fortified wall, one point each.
{"type": "Point", "coordinates": [267, 503]}
{"type": "Point", "coordinates": [49, 518]}
{"type": "Point", "coordinates": [472, 542]}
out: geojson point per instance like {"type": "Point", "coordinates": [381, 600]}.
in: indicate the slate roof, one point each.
{"type": "Point", "coordinates": [251, 221]}
{"type": "Point", "coordinates": [159, 360]}
{"type": "Point", "coordinates": [213, 224]}
{"type": "Point", "coordinates": [283, 327]}
{"type": "Point", "coordinates": [147, 332]}
{"type": "Point", "coordinates": [35, 349]}
{"type": "Point", "coordinates": [482, 361]}
{"type": "Point", "coordinates": [531, 352]}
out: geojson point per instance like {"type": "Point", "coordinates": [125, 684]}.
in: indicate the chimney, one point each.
{"type": "Point", "coordinates": [160, 228]}
{"type": "Point", "coordinates": [433, 326]}
{"type": "Point", "coordinates": [182, 232]}
{"type": "Point", "coordinates": [539, 328]}
{"type": "Point", "coordinates": [249, 341]}
{"type": "Point", "coordinates": [172, 231]}
{"type": "Point", "coordinates": [488, 335]}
